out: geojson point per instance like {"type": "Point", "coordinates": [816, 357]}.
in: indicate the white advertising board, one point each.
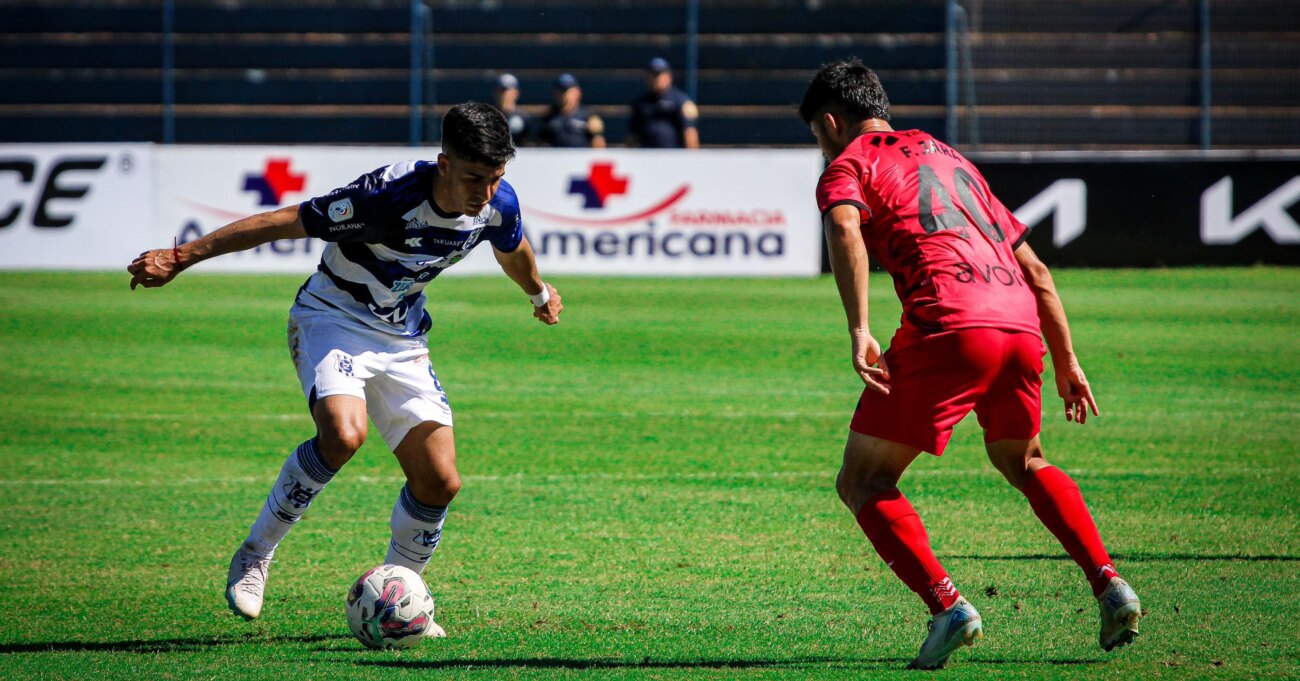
{"type": "Point", "coordinates": [628, 212]}
{"type": "Point", "coordinates": [717, 212]}
{"type": "Point", "coordinates": [74, 206]}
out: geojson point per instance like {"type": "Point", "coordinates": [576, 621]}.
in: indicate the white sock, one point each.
{"type": "Point", "coordinates": [417, 529]}
{"type": "Point", "coordinates": [303, 476]}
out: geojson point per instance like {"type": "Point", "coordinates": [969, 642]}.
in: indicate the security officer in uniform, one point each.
{"type": "Point", "coordinates": [506, 98]}
{"type": "Point", "coordinates": [567, 124]}
{"type": "Point", "coordinates": [664, 117]}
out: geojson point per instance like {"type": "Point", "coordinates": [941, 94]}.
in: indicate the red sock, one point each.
{"type": "Point", "coordinates": [1057, 502]}
{"type": "Point", "coordinates": [896, 531]}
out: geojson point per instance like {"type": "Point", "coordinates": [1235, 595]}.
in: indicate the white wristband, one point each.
{"type": "Point", "coordinates": [541, 298]}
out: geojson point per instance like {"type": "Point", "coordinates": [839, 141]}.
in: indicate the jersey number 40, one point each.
{"type": "Point", "coordinates": [949, 217]}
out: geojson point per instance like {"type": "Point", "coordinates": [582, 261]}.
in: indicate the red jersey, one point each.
{"type": "Point", "coordinates": [929, 219]}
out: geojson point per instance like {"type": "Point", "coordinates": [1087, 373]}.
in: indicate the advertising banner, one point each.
{"type": "Point", "coordinates": [641, 212]}
{"type": "Point", "coordinates": [1122, 211]}
{"type": "Point", "coordinates": [717, 212]}
{"type": "Point", "coordinates": [74, 206]}
{"type": "Point", "coordinates": [622, 212]}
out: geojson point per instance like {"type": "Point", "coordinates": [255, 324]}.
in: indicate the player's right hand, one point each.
{"type": "Point", "coordinates": [152, 269]}
{"type": "Point", "coordinates": [866, 357]}
{"type": "Point", "coordinates": [549, 313]}
{"type": "Point", "coordinates": [1073, 387]}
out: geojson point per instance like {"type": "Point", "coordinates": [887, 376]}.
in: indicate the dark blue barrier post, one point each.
{"type": "Point", "coordinates": [692, 48]}
{"type": "Point", "coordinates": [433, 131]}
{"type": "Point", "coordinates": [1205, 74]}
{"type": "Point", "coordinates": [169, 71]}
{"type": "Point", "coordinates": [416, 118]}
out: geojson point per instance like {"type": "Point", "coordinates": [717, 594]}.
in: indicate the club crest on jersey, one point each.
{"type": "Point", "coordinates": [343, 364]}
{"type": "Point", "coordinates": [341, 210]}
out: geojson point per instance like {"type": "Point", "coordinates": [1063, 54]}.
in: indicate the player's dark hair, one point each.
{"type": "Point", "coordinates": [848, 85]}
{"type": "Point", "coordinates": [479, 133]}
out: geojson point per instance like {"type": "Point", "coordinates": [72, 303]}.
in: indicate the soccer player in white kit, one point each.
{"type": "Point", "coordinates": [357, 327]}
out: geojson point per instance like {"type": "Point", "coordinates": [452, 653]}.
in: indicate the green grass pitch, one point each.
{"type": "Point", "coordinates": [648, 487]}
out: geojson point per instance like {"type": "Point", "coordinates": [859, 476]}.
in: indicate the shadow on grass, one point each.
{"type": "Point", "coordinates": [169, 645]}
{"type": "Point", "coordinates": [567, 663]}
{"type": "Point", "coordinates": [1138, 557]}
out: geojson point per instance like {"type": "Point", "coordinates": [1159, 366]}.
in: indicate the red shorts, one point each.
{"type": "Point", "coordinates": [935, 380]}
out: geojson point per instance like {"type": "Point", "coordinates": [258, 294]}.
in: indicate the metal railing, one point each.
{"type": "Point", "coordinates": [959, 87]}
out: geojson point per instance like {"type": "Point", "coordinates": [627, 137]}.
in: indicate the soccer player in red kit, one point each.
{"type": "Point", "coordinates": [975, 300]}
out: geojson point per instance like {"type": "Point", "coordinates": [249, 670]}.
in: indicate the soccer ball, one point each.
{"type": "Point", "coordinates": [390, 607]}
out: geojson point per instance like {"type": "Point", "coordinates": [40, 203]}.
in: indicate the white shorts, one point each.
{"type": "Point", "coordinates": [393, 374]}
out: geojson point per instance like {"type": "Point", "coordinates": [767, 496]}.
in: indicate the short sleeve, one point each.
{"type": "Point", "coordinates": [506, 236]}
{"type": "Point", "coordinates": [689, 113]}
{"type": "Point", "coordinates": [351, 213]}
{"type": "Point", "coordinates": [1014, 230]}
{"type": "Point", "coordinates": [841, 184]}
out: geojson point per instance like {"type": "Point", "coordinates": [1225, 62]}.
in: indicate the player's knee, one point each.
{"type": "Point", "coordinates": [1017, 463]}
{"type": "Point", "coordinates": [436, 491]}
{"type": "Point", "coordinates": [340, 440]}
{"type": "Point", "coordinates": [856, 489]}
{"type": "Point", "coordinates": [844, 489]}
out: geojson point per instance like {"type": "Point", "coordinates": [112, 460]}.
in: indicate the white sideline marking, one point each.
{"type": "Point", "coordinates": [521, 478]}
{"type": "Point", "coordinates": [470, 414]}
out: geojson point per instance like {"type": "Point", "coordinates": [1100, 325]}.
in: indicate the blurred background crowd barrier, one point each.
{"type": "Point", "coordinates": [984, 74]}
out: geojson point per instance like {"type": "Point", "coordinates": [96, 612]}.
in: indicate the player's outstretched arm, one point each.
{"type": "Point", "coordinates": [1071, 384]}
{"type": "Point", "coordinates": [521, 266]}
{"type": "Point", "coordinates": [843, 225]}
{"type": "Point", "coordinates": [155, 268]}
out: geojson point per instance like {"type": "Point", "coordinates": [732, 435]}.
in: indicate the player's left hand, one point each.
{"type": "Point", "coordinates": [155, 268]}
{"type": "Point", "coordinates": [550, 312]}
{"type": "Point", "coordinates": [869, 362]}
{"type": "Point", "coordinates": [1073, 387]}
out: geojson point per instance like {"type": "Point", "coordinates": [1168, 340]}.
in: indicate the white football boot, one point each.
{"type": "Point", "coordinates": [246, 583]}
{"type": "Point", "coordinates": [435, 630]}
{"type": "Point", "coordinates": [1120, 613]}
{"type": "Point", "coordinates": [959, 625]}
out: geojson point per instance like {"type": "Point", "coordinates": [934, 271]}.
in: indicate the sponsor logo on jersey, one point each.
{"type": "Point", "coordinates": [402, 285]}
{"type": "Point", "coordinates": [347, 227]}
{"type": "Point", "coordinates": [341, 210]}
{"type": "Point", "coordinates": [414, 242]}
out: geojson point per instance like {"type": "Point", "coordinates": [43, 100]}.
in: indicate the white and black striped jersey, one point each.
{"type": "Point", "coordinates": [388, 240]}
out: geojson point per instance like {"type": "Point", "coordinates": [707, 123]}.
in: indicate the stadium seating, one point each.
{"type": "Point", "coordinates": [1107, 73]}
